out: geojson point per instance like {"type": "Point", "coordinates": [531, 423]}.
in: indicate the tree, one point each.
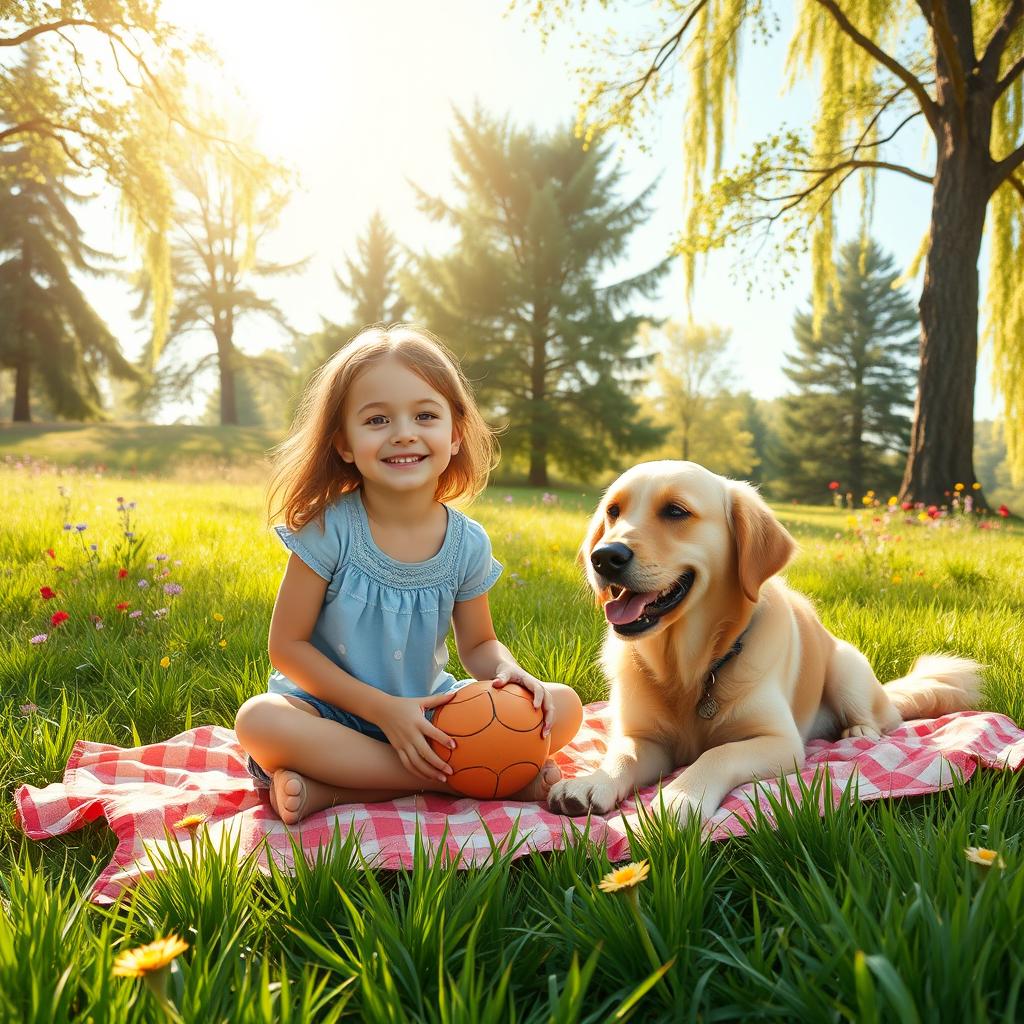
{"type": "Point", "coordinates": [101, 58]}
{"type": "Point", "coordinates": [849, 418]}
{"type": "Point", "coordinates": [518, 296]}
{"type": "Point", "coordinates": [48, 330]}
{"type": "Point", "coordinates": [224, 208]}
{"type": "Point", "coordinates": [956, 67]}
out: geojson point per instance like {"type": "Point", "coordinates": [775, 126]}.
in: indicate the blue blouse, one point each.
{"type": "Point", "coordinates": [384, 621]}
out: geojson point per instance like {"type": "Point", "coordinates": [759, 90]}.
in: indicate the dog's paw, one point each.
{"type": "Point", "coordinates": [680, 805]}
{"type": "Point", "coordinates": [869, 732]}
{"type": "Point", "coordinates": [591, 794]}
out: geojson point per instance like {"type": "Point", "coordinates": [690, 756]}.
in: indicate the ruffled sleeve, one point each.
{"type": "Point", "coordinates": [322, 549]}
{"type": "Point", "coordinates": [478, 570]}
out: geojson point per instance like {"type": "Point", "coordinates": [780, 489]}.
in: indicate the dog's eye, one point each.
{"type": "Point", "coordinates": [613, 511]}
{"type": "Point", "coordinates": [674, 511]}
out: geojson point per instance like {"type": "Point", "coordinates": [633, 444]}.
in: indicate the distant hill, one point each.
{"type": "Point", "coordinates": [140, 447]}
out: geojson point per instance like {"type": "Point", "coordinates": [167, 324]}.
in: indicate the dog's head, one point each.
{"type": "Point", "coordinates": [668, 536]}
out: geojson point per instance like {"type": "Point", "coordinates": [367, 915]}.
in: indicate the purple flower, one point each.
{"type": "Point", "coordinates": [172, 589]}
{"type": "Point", "coordinates": [28, 709]}
{"type": "Point", "coordinates": [135, 614]}
{"type": "Point", "coordinates": [81, 526]}
{"type": "Point", "coordinates": [120, 501]}
{"type": "Point", "coordinates": [131, 504]}
{"type": "Point", "coordinates": [67, 527]}
{"type": "Point", "coordinates": [93, 547]}
{"type": "Point", "coordinates": [143, 584]}
{"type": "Point", "coordinates": [161, 558]}
{"type": "Point", "coordinates": [38, 639]}
{"type": "Point", "coordinates": [129, 534]}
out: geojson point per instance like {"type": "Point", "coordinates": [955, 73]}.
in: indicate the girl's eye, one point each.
{"type": "Point", "coordinates": [674, 511]}
{"type": "Point", "coordinates": [613, 511]}
{"type": "Point", "coordinates": [426, 416]}
{"type": "Point", "coordinates": [376, 421]}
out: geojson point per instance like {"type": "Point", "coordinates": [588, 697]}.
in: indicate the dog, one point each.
{"type": "Point", "coordinates": [714, 662]}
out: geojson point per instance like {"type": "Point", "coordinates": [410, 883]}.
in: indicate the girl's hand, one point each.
{"type": "Point", "coordinates": [541, 694]}
{"type": "Point", "coordinates": [407, 729]}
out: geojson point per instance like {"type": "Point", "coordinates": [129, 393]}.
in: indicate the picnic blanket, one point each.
{"type": "Point", "coordinates": [143, 791]}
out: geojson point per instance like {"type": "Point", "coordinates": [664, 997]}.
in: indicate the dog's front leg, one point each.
{"type": "Point", "coordinates": [629, 763]}
{"type": "Point", "coordinates": [702, 787]}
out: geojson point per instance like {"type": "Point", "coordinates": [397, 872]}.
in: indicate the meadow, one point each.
{"type": "Point", "coordinates": [871, 913]}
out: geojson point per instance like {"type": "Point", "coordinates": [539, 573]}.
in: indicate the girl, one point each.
{"type": "Point", "coordinates": [380, 568]}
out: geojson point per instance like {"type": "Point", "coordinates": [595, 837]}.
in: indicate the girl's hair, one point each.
{"type": "Point", "coordinates": [308, 473]}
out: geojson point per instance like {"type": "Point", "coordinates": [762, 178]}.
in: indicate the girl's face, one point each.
{"type": "Point", "coordinates": [397, 430]}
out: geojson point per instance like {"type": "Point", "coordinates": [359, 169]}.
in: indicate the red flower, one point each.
{"type": "Point", "coordinates": [58, 617]}
{"type": "Point", "coordinates": [47, 594]}
{"type": "Point", "coordinates": [122, 574]}
{"type": "Point", "coordinates": [906, 505]}
{"type": "Point", "coordinates": [834, 485]}
{"type": "Point", "coordinates": [1003, 511]}
{"type": "Point", "coordinates": [51, 553]}
{"type": "Point", "coordinates": [122, 606]}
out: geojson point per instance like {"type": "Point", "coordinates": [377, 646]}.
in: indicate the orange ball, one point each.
{"type": "Point", "coordinates": [498, 742]}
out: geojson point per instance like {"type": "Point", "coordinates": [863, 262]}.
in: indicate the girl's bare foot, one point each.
{"type": "Point", "coordinates": [537, 790]}
{"type": "Point", "coordinates": [289, 795]}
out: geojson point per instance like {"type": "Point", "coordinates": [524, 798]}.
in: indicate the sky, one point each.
{"type": "Point", "coordinates": [357, 98]}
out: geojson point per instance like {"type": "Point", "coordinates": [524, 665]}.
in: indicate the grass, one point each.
{"type": "Point", "coordinates": [871, 913]}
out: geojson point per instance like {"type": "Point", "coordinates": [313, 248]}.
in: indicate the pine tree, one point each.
{"type": "Point", "coordinates": [849, 419]}
{"type": "Point", "coordinates": [548, 347]}
{"type": "Point", "coordinates": [49, 334]}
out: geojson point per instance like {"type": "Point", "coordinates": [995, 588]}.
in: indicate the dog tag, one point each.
{"type": "Point", "coordinates": [707, 708]}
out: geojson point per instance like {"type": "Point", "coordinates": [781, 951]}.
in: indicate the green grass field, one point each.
{"type": "Point", "coordinates": [872, 913]}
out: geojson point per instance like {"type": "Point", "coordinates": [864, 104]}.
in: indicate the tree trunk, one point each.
{"type": "Point", "coordinates": [228, 401]}
{"type": "Point", "coordinates": [22, 376]}
{"type": "Point", "coordinates": [538, 475]}
{"type": "Point", "coordinates": [942, 436]}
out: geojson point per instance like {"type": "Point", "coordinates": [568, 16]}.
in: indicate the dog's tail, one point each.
{"type": "Point", "coordinates": [936, 685]}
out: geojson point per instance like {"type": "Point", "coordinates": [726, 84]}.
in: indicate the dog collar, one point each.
{"type": "Point", "coordinates": [707, 706]}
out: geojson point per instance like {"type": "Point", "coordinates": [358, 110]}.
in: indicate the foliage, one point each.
{"type": "Point", "coordinates": [848, 418]}
{"type": "Point", "coordinates": [703, 420]}
{"type": "Point", "coordinates": [48, 330]}
{"type": "Point", "coordinates": [549, 348]}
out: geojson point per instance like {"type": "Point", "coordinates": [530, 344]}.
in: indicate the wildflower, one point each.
{"type": "Point", "coordinates": [120, 501]}
{"type": "Point", "coordinates": [67, 527]}
{"type": "Point", "coordinates": [81, 527]}
{"type": "Point", "coordinates": [852, 521]}
{"type": "Point", "coordinates": [897, 579]}
{"type": "Point", "coordinates": [975, 486]}
{"type": "Point", "coordinates": [906, 505]}
{"type": "Point", "coordinates": [152, 963]}
{"type": "Point", "coordinates": [223, 643]}
{"type": "Point", "coordinates": [833, 485]}
{"type": "Point", "coordinates": [958, 488]}
{"type": "Point", "coordinates": [986, 858]}
{"type": "Point", "coordinates": [51, 553]}
{"type": "Point", "coordinates": [923, 517]}
{"type": "Point", "coordinates": [161, 558]}
{"type": "Point", "coordinates": [122, 606]}
{"type": "Point", "coordinates": [625, 877]}
{"type": "Point", "coordinates": [165, 662]}
{"type": "Point", "coordinates": [129, 534]}
{"type": "Point", "coordinates": [217, 617]}
{"type": "Point", "coordinates": [893, 501]}
{"type": "Point", "coordinates": [94, 547]}
{"type": "Point", "coordinates": [39, 638]}
{"type": "Point", "coordinates": [47, 594]}
{"type": "Point", "coordinates": [58, 617]}
{"type": "Point", "coordinates": [508, 499]}
{"type": "Point", "coordinates": [1003, 511]}
{"type": "Point", "coordinates": [159, 613]}
{"type": "Point", "coordinates": [143, 584]}
{"type": "Point", "coordinates": [122, 574]}
{"type": "Point", "coordinates": [550, 499]}
{"type": "Point", "coordinates": [191, 822]}
{"type": "Point", "coordinates": [28, 709]}
{"type": "Point", "coordinates": [135, 614]}
{"type": "Point", "coordinates": [172, 589]}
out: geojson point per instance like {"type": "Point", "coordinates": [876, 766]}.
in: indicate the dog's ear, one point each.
{"type": "Point", "coordinates": [763, 546]}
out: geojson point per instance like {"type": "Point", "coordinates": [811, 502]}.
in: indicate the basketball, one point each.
{"type": "Point", "coordinates": [498, 743]}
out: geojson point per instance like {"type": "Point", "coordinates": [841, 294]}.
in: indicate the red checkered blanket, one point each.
{"type": "Point", "coordinates": [143, 791]}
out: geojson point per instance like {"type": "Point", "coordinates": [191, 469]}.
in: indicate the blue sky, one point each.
{"type": "Point", "coordinates": [358, 100]}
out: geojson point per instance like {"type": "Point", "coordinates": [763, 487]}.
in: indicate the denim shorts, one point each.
{"type": "Point", "coordinates": [346, 718]}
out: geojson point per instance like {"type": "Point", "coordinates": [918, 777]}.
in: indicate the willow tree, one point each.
{"type": "Point", "coordinates": [882, 65]}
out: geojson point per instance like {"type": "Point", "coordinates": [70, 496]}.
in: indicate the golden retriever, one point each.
{"type": "Point", "coordinates": [713, 661]}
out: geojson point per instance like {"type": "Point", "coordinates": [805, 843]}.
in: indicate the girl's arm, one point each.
{"type": "Point", "coordinates": [486, 657]}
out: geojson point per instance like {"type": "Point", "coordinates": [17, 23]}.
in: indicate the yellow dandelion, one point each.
{"type": "Point", "coordinates": [217, 617]}
{"type": "Point", "coordinates": [975, 486]}
{"type": "Point", "coordinates": [165, 662]}
{"type": "Point", "coordinates": [191, 822]}
{"type": "Point", "coordinates": [893, 501]}
{"type": "Point", "coordinates": [625, 877]}
{"type": "Point", "coordinates": [958, 487]}
{"type": "Point", "coordinates": [897, 578]}
{"type": "Point", "coordinates": [146, 959]}
{"type": "Point", "coordinates": [852, 521]}
{"type": "Point", "coordinates": [986, 858]}
{"type": "Point", "coordinates": [222, 643]}
{"type": "Point", "coordinates": [923, 517]}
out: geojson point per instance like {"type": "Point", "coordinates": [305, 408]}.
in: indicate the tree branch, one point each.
{"type": "Point", "coordinates": [1006, 81]}
{"type": "Point", "coordinates": [949, 50]}
{"type": "Point", "coordinates": [1016, 183]}
{"type": "Point", "coordinates": [1005, 168]}
{"type": "Point", "coordinates": [844, 164]}
{"type": "Point", "coordinates": [993, 54]}
{"type": "Point", "coordinates": [928, 107]}
{"type": "Point", "coordinates": [53, 26]}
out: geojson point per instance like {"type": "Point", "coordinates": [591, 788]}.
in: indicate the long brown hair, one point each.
{"type": "Point", "coordinates": [308, 473]}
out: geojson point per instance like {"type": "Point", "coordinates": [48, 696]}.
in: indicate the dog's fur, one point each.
{"type": "Point", "coordinates": [791, 682]}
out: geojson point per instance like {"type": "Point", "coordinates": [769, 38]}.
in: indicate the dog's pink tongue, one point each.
{"type": "Point", "coordinates": [627, 607]}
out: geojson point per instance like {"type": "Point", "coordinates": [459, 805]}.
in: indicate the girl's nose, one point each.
{"type": "Point", "coordinates": [404, 432]}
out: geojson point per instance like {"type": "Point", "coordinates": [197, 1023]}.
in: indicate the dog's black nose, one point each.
{"type": "Point", "coordinates": [610, 559]}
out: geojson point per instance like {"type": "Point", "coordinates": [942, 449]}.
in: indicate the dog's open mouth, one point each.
{"type": "Point", "coordinates": [631, 613]}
